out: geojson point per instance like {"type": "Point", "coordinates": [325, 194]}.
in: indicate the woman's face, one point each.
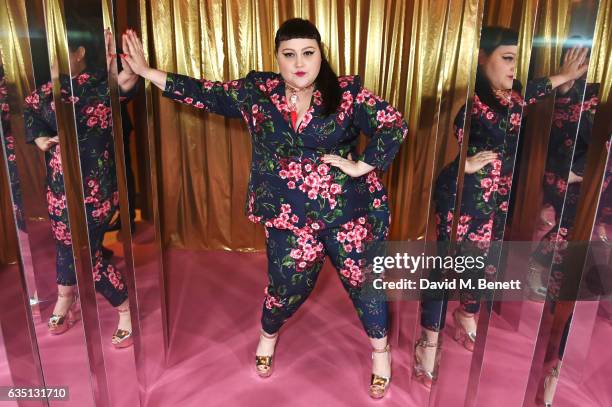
{"type": "Point", "coordinates": [299, 61]}
{"type": "Point", "coordinates": [499, 66]}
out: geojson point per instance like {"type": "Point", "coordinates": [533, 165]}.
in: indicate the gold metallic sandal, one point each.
{"type": "Point", "coordinates": [58, 324]}
{"type": "Point", "coordinates": [465, 338]}
{"type": "Point", "coordinates": [263, 364]}
{"type": "Point", "coordinates": [426, 377]}
{"type": "Point", "coordinates": [379, 385]}
{"type": "Point", "coordinates": [550, 386]}
{"type": "Point", "coordinates": [122, 338]}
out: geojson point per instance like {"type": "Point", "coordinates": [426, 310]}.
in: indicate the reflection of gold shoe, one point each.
{"type": "Point", "coordinates": [465, 338]}
{"type": "Point", "coordinates": [380, 384]}
{"type": "Point", "coordinates": [122, 338]}
{"type": "Point", "coordinates": [603, 235]}
{"type": "Point", "coordinates": [537, 291]}
{"type": "Point", "coordinates": [263, 364]}
{"type": "Point", "coordinates": [58, 324]}
{"type": "Point", "coordinates": [550, 386]}
{"type": "Point", "coordinates": [427, 377]}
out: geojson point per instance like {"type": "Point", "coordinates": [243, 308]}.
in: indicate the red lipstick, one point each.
{"type": "Point", "coordinates": [300, 73]}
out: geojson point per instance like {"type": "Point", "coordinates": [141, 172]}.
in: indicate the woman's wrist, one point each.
{"type": "Point", "coordinates": [157, 77]}
{"type": "Point", "coordinates": [363, 168]}
{"type": "Point", "coordinates": [558, 80]}
{"type": "Point", "coordinates": [147, 73]}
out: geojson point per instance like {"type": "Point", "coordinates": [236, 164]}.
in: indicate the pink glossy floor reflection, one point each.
{"type": "Point", "coordinates": [215, 303]}
{"type": "Point", "coordinates": [322, 357]}
{"type": "Point", "coordinates": [5, 377]}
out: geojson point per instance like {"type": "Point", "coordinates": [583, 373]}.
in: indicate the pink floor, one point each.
{"type": "Point", "coordinates": [322, 356]}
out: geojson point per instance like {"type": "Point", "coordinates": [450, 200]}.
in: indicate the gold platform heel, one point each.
{"type": "Point", "coordinates": [550, 386]}
{"type": "Point", "coordinates": [426, 377]}
{"type": "Point", "coordinates": [465, 338]}
{"type": "Point", "coordinates": [122, 338]}
{"type": "Point", "coordinates": [379, 385]}
{"type": "Point", "coordinates": [58, 324]}
{"type": "Point", "coordinates": [263, 364]}
{"type": "Point", "coordinates": [537, 291]}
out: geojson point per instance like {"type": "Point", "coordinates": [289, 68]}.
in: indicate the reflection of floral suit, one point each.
{"type": "Point", "coordinates": [91, 101]}
{"type": "Point", "coordinates": [309, 208]}
{"type": "Point", "coordinates": [570, 136]}
{"type": "Point", "coordinates": [485, 194]}
{"type": "Point", "coordinates": [9, 148]}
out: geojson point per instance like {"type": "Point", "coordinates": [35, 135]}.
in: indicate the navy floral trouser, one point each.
{"type": "Point", "coordinates": [107, 278]}
{"type": "Point", "coordinates": [296, 256]}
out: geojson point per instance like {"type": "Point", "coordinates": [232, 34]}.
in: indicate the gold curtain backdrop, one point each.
{"type": "Point", "coordinates": [410, 53]}
{"type": "Point", "coordinates": [15, 49]}
{"type": "Point", "coordinates": [417, 55]}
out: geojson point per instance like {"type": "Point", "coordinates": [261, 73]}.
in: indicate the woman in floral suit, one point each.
{"type": "Point", "coordinates": [91, 99]}
{"type": "Point", "coordinates": [495, 123]}
{"type": "Point", "coordinates": [312, 198]}
{"type": "Point", "coordinates": [570, 135]}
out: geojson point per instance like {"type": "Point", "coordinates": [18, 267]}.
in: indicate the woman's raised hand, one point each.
{"type": "Point", "coordinates": [478, 161]}
{"type": "Point", "coordinates": [575, 63]}
{"type": "Point", "coordinates": [134, 55]}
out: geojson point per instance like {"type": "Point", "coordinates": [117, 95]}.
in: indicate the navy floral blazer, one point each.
{"type": "Point", "coordinates": [9, 148]}
{"type": "Point", "coordinates": [289, 185]}
{"type": "Point", "coordinates": [485, 195]}
{"type": "Point", "coordinates": [91, 99]}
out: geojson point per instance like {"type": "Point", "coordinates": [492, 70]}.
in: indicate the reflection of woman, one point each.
{"type": "Point", "coordinates": [593, 274]}
{"type": "Point", "coordinates": [9, 148]}
{"type": "Point", "coordinates": [312, 201]}
{"type": "Point", "coordinates": [91, 99]}
{"type": "Point", "coordinates": [570, 136]}
{"type": "Point", "coordinates": [575, 107]}
{"type": "Point", "coordinates": [495, 123]}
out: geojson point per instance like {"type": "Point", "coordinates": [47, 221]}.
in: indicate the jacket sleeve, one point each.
{"type": "Point", "coordinates": [216, 97]}
{"type": "Point", "coordinates": [537, 89]}
{"type": "Point", "coordinates": [37, 111]}
{"type": "Point", "coordinates": [381, 122]}
{"type": "Point", "coordinates": [588, 108]}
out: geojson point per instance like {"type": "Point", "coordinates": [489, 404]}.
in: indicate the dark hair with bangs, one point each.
{"type": "Point", "coordinates": [491, 38]}
{"type": "Point", "coordinates": [87, 31]}
{"type": "Point", "coordinates": [327, 80]}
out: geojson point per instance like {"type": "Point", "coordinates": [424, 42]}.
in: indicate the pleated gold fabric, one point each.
{"type": "Point", "coordinates": [16, 57]}
{"type": "Point", "coordinates": [418, 55]}
{"type": "Point", "coordinates": [408, 52]}
{"type": "Point", "coordinates": [601, 56]}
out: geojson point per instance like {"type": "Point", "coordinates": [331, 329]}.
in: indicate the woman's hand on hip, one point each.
{"type": "Point", "coordinates": [479, 160]}
{"type": "Point", "coordinates": [573, 178]}
{"type": "Point", "coordinates": [347, 165]}
{"type": "Point", "coordinates": [45, 143]}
